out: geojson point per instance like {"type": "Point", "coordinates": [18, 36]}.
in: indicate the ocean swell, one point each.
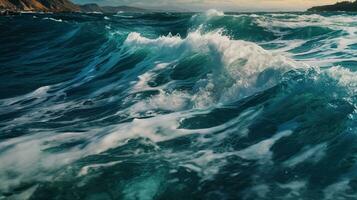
{"type": "Point", "coordinates": [178, 106]}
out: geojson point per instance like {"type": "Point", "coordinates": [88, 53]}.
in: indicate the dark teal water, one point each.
{"type": "Point", "coordinates": [178, 106]}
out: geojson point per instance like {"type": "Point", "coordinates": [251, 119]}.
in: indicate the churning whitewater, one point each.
{"type": "Point", "coordinates": [178, 106]}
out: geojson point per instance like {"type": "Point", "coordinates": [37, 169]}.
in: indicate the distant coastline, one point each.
{"type": "Point", "coordinates": [346, 6]}
{"type": "Point", "coordinates": [8, 7]}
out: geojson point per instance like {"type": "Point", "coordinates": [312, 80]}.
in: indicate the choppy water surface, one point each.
{"type": "Point", "coordinates": [178, 106]}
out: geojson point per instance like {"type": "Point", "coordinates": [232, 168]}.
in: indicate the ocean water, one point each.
{"type": "Point", "coordinates": [171, 106]}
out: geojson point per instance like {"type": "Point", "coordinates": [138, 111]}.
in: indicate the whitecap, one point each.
{"type": "Point", "coordinates": [53, 19]}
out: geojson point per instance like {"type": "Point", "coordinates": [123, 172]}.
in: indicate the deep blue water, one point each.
{"type": "Point", "coordinates": [178, 106]}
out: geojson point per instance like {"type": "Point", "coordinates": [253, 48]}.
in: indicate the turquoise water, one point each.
{"type": "Point", "coordinates": [178, 106]}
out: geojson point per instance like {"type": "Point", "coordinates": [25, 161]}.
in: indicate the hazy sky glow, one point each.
{"type": "Point", "coordinates": [226, 5]}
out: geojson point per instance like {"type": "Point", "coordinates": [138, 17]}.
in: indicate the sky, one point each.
{"type": "Point", "coordinates": [223, 5]}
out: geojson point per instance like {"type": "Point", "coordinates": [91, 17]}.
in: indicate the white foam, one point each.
{"type": "Point", "coordinates": [40, 91]}
{"type": "Point", "coordinates": [159, 128]}
{"type": "Point", "coordinates": [25, 157]}
{"type": "Point", "coordinates": [344, 77]}
{"type": "Point", "coordinates": [295, 187]}
{"type": "Point", "coordinates": [337, 190]}
{"type": "Point", "coordinates": [261, 151]}
{"type": "Point", "coordinates": [85, 170]}
{"type": "Point", "coordinates": [95, 12]}
{"type": "Point", "coordinates": [53, 19]}
{"type": "Point", "coordinates": [178, 101]}
{"type": "Point", "coordinates": [309, 154]}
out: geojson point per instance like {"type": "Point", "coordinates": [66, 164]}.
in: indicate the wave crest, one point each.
{"type": "Point", "coordinates": [237, 68]}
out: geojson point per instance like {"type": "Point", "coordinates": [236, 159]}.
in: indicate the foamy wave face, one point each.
{"type": "Point", "coordinates": [235, 68]}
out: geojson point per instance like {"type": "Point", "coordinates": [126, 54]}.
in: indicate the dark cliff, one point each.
{"type": "Point", "coordinates": [60, 6]}
{"type": "Point", "coordinates": [39, 5]}
{"type": "Point", "coordinates": [341, 6]}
